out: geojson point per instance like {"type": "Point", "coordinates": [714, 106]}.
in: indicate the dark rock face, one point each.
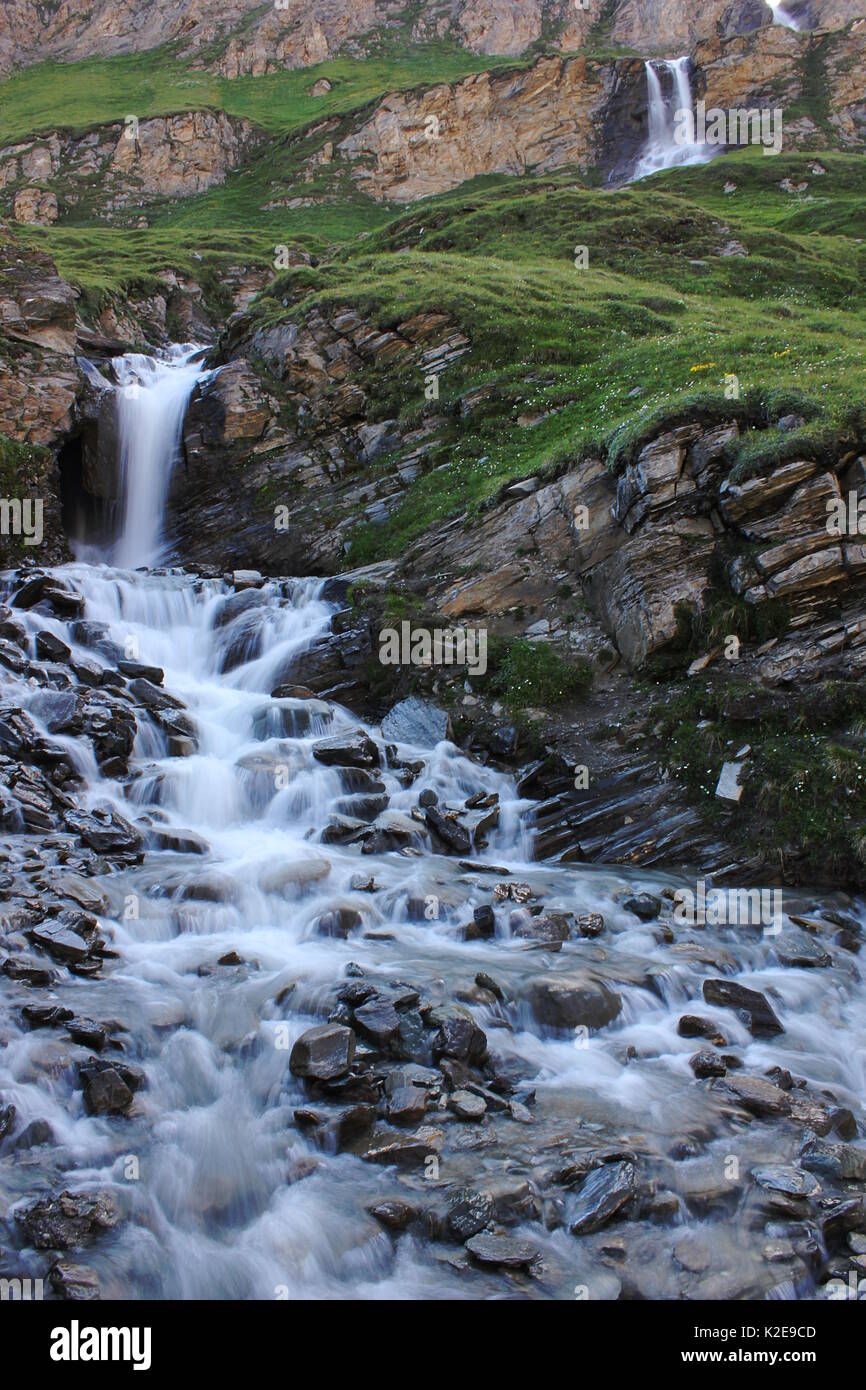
{"type": "Point", "coordinates": [572, 1001]}
{"type": "Point", "coordinates": [752, 1005]}
{"type": "Point", "coordinates": [323, 1053]}
{"type": "Point", "coordinates": [604, 1194]}
{"type": "Point", "coordinates": [71, 1220]}
{"type": "Point", "coordinates": [347, 750]}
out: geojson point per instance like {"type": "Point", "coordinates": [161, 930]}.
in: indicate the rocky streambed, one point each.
{"type": "Point", "coordinates": [289, 1009]}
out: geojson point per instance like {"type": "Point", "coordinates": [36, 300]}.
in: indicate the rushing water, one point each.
{"type": "Point", "coordinates": [226, 1193]}
{"type": "Point", "coordinates": [783, 16]}
{"type": "Point", "coordinates": [152, 396]}
{"type": "Point", "coordinates": [663, 149]}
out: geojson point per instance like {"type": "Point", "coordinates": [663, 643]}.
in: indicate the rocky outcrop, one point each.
{"type": "Point", "coordinates": [283, 434]}
{"type": "Point", "coordinates": [418, 145]}
{"type": "Point", "coordinates": [38, 374]}
{"type": "Point", "coordinates": [243, 37]}
{"type": "Point", "coordinates": [167, 157]}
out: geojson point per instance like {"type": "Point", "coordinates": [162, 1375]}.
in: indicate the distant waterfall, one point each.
{"type": "Point", "coordinates": [781, 15]}
{"type": "Point", "coordinates": [152, 396]}
{"type": "Point", "coordinates": [663, 150]}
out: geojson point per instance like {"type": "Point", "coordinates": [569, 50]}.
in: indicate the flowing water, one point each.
{"type": "Point", "coordinates": [664, 149]}
{"type": "Point", "coordinates": [782, 16]}
{"type": "Point", "coordinates": [227, 1195]}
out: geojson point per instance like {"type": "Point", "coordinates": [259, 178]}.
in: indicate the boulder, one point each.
{"type": "Point", "coordinates": [323, 1053]}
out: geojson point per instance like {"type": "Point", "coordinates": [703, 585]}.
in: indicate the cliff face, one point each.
{"type": "Point", "coordinates": [243, 37]}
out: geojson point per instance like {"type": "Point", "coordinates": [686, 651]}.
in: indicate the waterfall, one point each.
{"type": "Point", "coordinates": [782, 16]}
{"type": "Point", "coordinates": [152, 396]}
{"type": "Point", "coordinates": [665, 147]}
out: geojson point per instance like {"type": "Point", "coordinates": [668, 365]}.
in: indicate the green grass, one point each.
{"type": "Point", "coordinates": [571, 345]}
{"type": "Point", "coordinates": [75, 97]}
{"type": "Point", "coordinates": [533, 674]}
{"type": "Point", "coordinates": [804, 798]}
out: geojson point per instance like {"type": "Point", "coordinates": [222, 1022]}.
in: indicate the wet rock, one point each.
{"type": "Point", "coordinates": [643, 905]}
{"type": "Point", "coordinates": [7, 1120]}
{"type": "Point", "coordinates": [550, 928]}
{"type": "Point", "coordinates": [418, 722]}
{"type": "Point", "coordinates": [760, 1097]}
{"type": "Point", "coordinates": [70, 1220]}
{"type": "Point", "coordinates": [786, 1179]}
{"type": "Point", "coordinates": [454, 835]}
{"type": "Point", "coordinates": [590, 924]}
{"type": "Point", "coordinates": [61, 942]}
{"type": "Point", "coordinates": [50, 648]}
{"type": "Point", "coordinates": [407, 1105]}
{"type": "Point", "coordinates": [45, 1015]}
{"type": "Point", "coordinates": [404, 1150]}
{"type": "Point", "coordinates": [106, 1087]}
{"type": "Point", "coordinates": [75, 1283]}
{"type": "Point", "coordinates": [572, 1001]}
{"type": "Point", "coordinates": [693, 1026]}
{"type": "Point", "coordinates": [353, 749]}
{"type": "Point", "coordinates": [751, 1005]}
{"type": "Point", "coordinates": [166, 837]}
{"type": "Point", "coordinates": [323, 1052]}
{"type": "Point", "coordinates": [339, 922]}
{"type": "Point", "coordinates": [469, 1212]}
{"type": "Point", "coordinates": [458, 1034]}
{"type": "Point", "coordinates": [706, 1064]}
{"type": "Point", "coordinates": [501, 1251]}
{"type": "Point", "coordinates": [27, 972]}
{"type": "Point", "coordinates": [378, 1021]}
{"type": "Point", "coordinates": [467, 1106]}
{"type": "Point", "coordinates": [838, 1162]}
{"type": "Point", "coordinates": [394, 1215]}
{"type": "Point", "coordinates": [105, 831]}
{"type": "Point", "coordinates": [32, 1136]}
{"type": "Point", "coordinates": [603, 1195]}
{"type": "Point", "coordinates": [482, 926]}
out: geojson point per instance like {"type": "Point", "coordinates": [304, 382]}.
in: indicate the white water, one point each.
{"type": "Point", "coordinates": [233, 1199]}
{"type": "Point", "coordinates": [669, 93]}
{"type": "Point", "coordinates": [152, 397]}
{"type": "Point", "coordinates": [782, 16]}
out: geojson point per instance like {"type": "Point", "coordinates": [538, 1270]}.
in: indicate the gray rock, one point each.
{"type": "Point", "coordinates": [377, 1020]}
{"type": "Point", "coordinates": [784, 1178]}
{"type": "Point", "coordinates": [323, 1052]}
{"type": "Point", "coordinates": [459, 1035]}
{"type": "Point", "coordinates": [468, 1106]}
{"type": "Point", "coordinates": [75, 1283]}
{"type": "Point", "coordinates": [572, 1001]}
{"type": "Point", "coordinates": [644, 905]}
{"type": "Point", "coordinates": [601, 1197]}
{"type": "Point", "coordinates": [756, 1009]}
{"type": "Point", "coordinates": [70, 1220]}
{"type": "Point", "coordinates": [352, 749]}
{"type": "Point", "coordinates": [501, 1251]}
{"type": "Point", "coordinates": [469, 1212]}
{"type": "Point", "coordinates": [418, 722]}
{"type": "Point", "coordinates": [842, 1162]}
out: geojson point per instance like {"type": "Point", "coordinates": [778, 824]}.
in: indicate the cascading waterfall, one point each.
{"type": "Point", "coordinates": [152, 396]}
{"type": "Point", "coordinates": [244, 1187]}
{"type": "Point", "coordinates": [665, 148]}
{"type": "Point", "coordinates": [783, 16]}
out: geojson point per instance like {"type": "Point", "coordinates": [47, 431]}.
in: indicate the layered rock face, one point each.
{"type": "Point", "coordinates": [170, 157]}
{"type": "Point", "coordinates": [418, 145]}
{"type": "Point", "coordinates": [245, 37]}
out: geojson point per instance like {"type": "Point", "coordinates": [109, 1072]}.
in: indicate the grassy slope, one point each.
{"type": "Point", "coordinates": [658, 309]}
